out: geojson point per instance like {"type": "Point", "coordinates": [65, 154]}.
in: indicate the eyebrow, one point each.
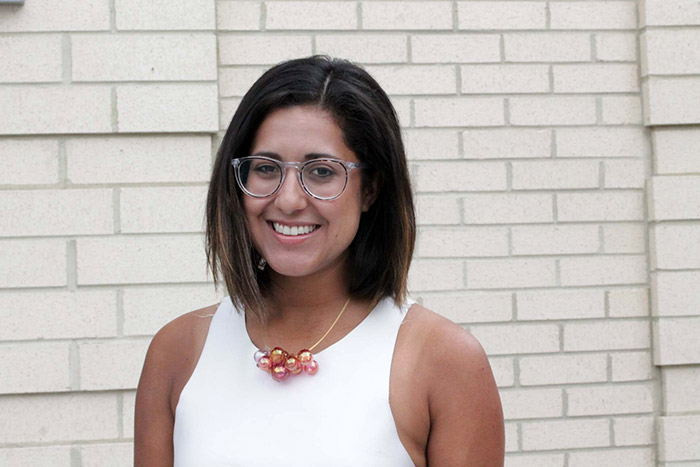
{"type": "Point", "coordinates": [309, 156]}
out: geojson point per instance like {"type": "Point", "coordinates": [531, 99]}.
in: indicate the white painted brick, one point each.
{"type": "Point", "coordinates": [495, 79]}
{"type": "Point", "coordinates": [57, 315]}
{"type": "Point", "coordinates": [55, 109]}
{"type": "Point", "coordinates": [459, 48]}
{"type": "Point", "coordinates": [66, 417]}
{"type": "Point", "coordinates": [529, 460]}
{"type": "Point", "coordinates": [415, 79]}
{"type": "Point", "coordinates": [507, 208]}
{"type": "Point", "coordinates": [261, 50]}
{"type": "Point", "coordinates": [165, 14]}
{"type": "Point", "coordinates": [531, 403]}
{"type": "Point", "coordinates": [631, 366]}
{"type": "Point", "coordinates": [593, 15]}
{"type": "Point", "coordinates": [552, 110]}
{"type": "Point", "coordinates": [631, 431]}
{"type": "Point", "coordinates": [501, 15]}
{"type": "Point", "coordinates": [676, 341]}
{"type": "Point", "coordinates": [459, 111]}
{"type": "Point", "coordinates": [607, 335]}
{"type": "Point", "coordinates": [437, 210]}
{"type": "Point", "coordinates": [47, 15]}
{"type": "Point", "coordinates": [616, 46]}
{"type": "Point", "coordinates": [365, 48]}
{"type": "Point", "coordinates": [460, 176]}
{"type": "Point", "coordinates": [237, 81]}
{"type": "Point", "coordinates": [680, 388]}
{"type": "Point", "coordinates": [671, 101]}
{"type": "Point", "coordinates": [55, 212]}
{"type": "Point", "coordinates": [476, 307]}
{"type": "Point", "coordinates": [676, 293]}
{"type": "Point", "coordinates": [510, 273]}
{"type": "Point", "coordinates": [678, 438]}
{"type": "Point", "coordinates": [33, 263]}
{"type": "Point", "coordinates": [675, 150]}
{"type": "Point", "coordinates": [665, 13]}
{"type": "Point", "coordinates": [30, 58]}
{"type": "Point", "coordinates": [601, 206]}
{"type": "Point", "coordinates": [464, 241]}
{"type": "Point", "coordinates": [625, 173]}
{"type": "Point", "coordinates": [402, 106]}
{"type": "Point", "coordinates": [113, 364]}
{"type": "Point", "coordinates": [127, 159]}
{"type": "Point", "coordinates": [407, 15]}
{"type": "Point", "coordinates": [554, 239]}
{"type": "Point", "coordinates": [503, 371]}
{"type": "Point", "coordinates": [671, 52]}
{"type": "Point", "coordinates": [141, 259]}
{"type": "Point", "coordinates": [628, 302]}
{"type": "Point", "coordinates": [435, 275]}
{"type": "Point", "coordinates": [500, 339]}
{"type": "Point", "coordinates": [605, 400]}
{"type": "Point", "coordinates": [565, 434]}
{"type": "Point", "coordinates": [181, 108]}
{"type": "Point", "coordinates": [147, 309]}
{"type": "Point", "coordinates": [431, 144]}
{"type": "Point", "coordinates": [164, 209]}
{"type": "Point", "coordinates": [560, 304]}
{"type": "Point", "coordinates": [622, 110]}
{"type": "Point", "coordinates": [29, 161]}
{"type": "Point", "coordinates": [34, 367]}
{"type": "Point", "coordinates": [311, 15]}
{"type": "Point", "coordinates": [624, 238]}
{"type": "Point", "coordinates": [547, 47]}
{"type": "Point", "coordinates": [143, 57]}
{"type": "Point", "coordinates": [552, 175]}
{"type": "Point", "coordinates": [602, 142]}
{"type": "Point", "coordinates": [563, 369]}
{"type": "Point", "coordinates": [511, 432]}
{"type": "Point", "coordinates": [675, 246]}
{"type": "Point", "coordinates": [128, 409]}
{"type": "Point", "coordinates": [674, 197]}
{"type": "Point", "coordinates": [613, 458]}
{"type": "Point", "coordinates": [596, 78]}
{"type": "Point", "coordinates": [55, 456]}
{"type": "Point", "coordinates": [238, 15]}
{"type": "Point", "coordinates": [506, 143]}
{"type": "Point", "coordinates": [107, 455]}
{"type": "Point", "coordinates": [227, 110]}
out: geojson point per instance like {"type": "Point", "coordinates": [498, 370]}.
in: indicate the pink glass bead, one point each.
{"type": "Point", "coordinates": [305, 356]}
{"type": "Point", "coordinates": [311, 368]}
{"type": "Point", "coordinates": [261, 353]}
{"type": "Point", "coordinates": [279, 373]}
{"type": "Point", "coordinates": [278, 355]}
{"type": "Point", "coordinates": [291, 363]}
{"type": "Point", "coordinates": [264, 363]}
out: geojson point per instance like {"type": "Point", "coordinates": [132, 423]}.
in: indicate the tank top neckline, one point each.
{"type": "Point", "coordinates": [372, 315]}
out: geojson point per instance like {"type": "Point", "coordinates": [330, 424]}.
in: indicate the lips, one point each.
{"type": "Point", "coordinates": [293, 230]}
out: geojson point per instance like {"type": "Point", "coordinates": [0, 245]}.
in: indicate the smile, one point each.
{"type": "Point", "coordinates": [294, 230]}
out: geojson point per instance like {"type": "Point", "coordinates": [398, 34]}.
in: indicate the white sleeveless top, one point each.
{"type": "Point", "coordinates": [230, 413]}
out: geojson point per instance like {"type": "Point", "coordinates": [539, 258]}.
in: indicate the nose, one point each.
{"type": "Point", "coordinates": [291, 196]}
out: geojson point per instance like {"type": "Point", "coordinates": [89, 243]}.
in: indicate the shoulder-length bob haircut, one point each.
{"type": "Point", "coordinates": [380, 254]}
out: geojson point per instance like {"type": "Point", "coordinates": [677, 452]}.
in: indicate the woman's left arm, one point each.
{"type": "Point", "coordinates": [466, 418]}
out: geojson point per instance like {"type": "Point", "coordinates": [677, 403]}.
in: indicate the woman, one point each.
{"type": "Point", "coordinates": [310, 222]}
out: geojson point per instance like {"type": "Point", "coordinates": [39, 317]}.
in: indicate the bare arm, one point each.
{"type": "Point", "coordinates": [466, 418]}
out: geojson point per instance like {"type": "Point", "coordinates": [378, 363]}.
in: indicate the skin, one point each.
{"type": "Point", "coordinates": [442, 392]}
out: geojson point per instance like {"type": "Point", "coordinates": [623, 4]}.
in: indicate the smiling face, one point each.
{"type": "Point", "coordinates": [297, 234]}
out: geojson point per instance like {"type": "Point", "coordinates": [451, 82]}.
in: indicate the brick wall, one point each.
{"type": "Point", "coordinates": [544, 217]}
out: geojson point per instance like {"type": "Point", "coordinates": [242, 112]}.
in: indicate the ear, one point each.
{"type": "Point", "coordinates": [370, 190]}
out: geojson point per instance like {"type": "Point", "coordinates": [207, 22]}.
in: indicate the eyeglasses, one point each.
{"type": "Point", "coordinates": [324, 179]}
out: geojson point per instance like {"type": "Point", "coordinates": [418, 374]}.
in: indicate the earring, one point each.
{"type": "Point", "coordinates": [262, 263]}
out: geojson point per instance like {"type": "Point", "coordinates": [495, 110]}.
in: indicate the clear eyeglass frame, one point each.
{"type": "Point", "coordinates": [299, 166]}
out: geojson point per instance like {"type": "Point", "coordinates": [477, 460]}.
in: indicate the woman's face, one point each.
{"type": "Point", "coordinates": [299, 134]}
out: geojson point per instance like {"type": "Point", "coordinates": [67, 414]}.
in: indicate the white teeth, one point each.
{"type": "Point", "coordinates": [294, 230]}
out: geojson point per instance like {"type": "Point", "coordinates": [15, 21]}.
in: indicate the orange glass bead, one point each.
{"type": "Point", "coordinates": [305, 356]}
{"type": "Point", "coordinates": [279, 373]}
{"type": "Point", "coordinates": [278, 355]}
{"type": "Point", "coordinates": [291, 362]}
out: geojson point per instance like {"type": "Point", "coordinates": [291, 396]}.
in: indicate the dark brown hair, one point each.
{"type": "Point", "coordinates": [380, 254]}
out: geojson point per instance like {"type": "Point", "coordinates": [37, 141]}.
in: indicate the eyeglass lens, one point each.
{"type": "Point", "coordinates": [323, 178]}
